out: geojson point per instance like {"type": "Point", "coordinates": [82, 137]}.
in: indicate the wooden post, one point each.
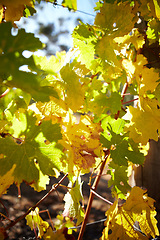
{"type": "Point", "coordinates": [148, 176]}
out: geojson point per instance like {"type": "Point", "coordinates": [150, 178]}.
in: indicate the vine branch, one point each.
{"type": "Point", "coordinates": [54, 187]}
{"type": "Point", "coordinates": [123, 93]}
{"type": "Point", "coordinates": [5, 93]}
{"type": "Point", "coordinates": [94, 187]}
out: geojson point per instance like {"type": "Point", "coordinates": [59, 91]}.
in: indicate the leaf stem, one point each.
{"type": "Point", "coordinates": [54, 187]}
{"type": "Point", "coordinates": [94, 187]}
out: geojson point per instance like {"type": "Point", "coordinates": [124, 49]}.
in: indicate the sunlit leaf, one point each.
{"type": "Point", "coordinates": [34, 221]}
{"type": "Point", "coordinates": [122, 220]}
{"type": "Point", "coordinates": [73, 208]}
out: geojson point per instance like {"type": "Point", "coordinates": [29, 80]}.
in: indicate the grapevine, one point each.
{"type": "Point", "coordinates": [110, 78]}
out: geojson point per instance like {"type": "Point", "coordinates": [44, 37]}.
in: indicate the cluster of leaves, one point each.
{"type": "Point", "coordinates": [41, 99]}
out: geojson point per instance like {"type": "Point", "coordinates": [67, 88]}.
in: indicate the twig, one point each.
{"type": "Point", "coordinates": [54, 187]}
{"type": "Point", "coordinates": [135, 99]}
{"type": "Point", "coordinates": [99, 196]}
{"type": "Point", "coordinates": [4, 208]}
{"type": "Point", "coordinates": [3, 94]}
{"type": "Point", "coordinates": [95, 184]}
{"type": "Point", "coordinates": [49, 217]}
{"type": "Point", "coordinates": [98, 221]}
{"type": "Point", "coordinates": [123, 93]}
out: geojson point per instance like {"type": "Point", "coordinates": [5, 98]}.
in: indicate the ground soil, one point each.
{"type": "Point", "coordinates": [54, 203]}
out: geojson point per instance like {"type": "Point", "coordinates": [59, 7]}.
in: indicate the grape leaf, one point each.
{"type": "Point", "coordinates": [70, 4]}
{"type": "Point", "coordinates": [81, 143]}
{"type": "Point", "coordinates": [121, 220]}
{"type": "Point", "coordinates": [85, 40]}
{"type": "Point", "coordinates": [30, 153]}
{"type": "Point", "coordinates": [136, 38]}
{"type": "Point", "coordinates": [73, 208]}
{"type": "Point", "coordinates": [14, 10]}
{"type": "Point", "coordinates": [35, 221]}
{"type": "Point", "coordinates": [64, 222]}
{"type": "Point", "coordinates": [148, 80]}
{"type": "Point", "coordinates": [11, 54]}
{"type": "Point", "coordinates": [55, 109]}
{"type": "Point", "coordinates": [74, 89]}
{"type": "Point", "coordinates": [51, 65]}
{"type": "Point", "coordinates": [157, 8]}
{"type": "Point", "coordinates": [115, 17]}
{"type": "Point", "coordinates": [4, 185]}
{"type": "Point", "coordinates": [146, 8]}
{"type": "Point", "coordinates": [124, 149]}
{"type": "Point", "coordinates": [50, 234]}
{"type": "Point", "coordinates": [119, 180]}
{"type": "Point", "coordinates": [105, 104]}
{"type": "Point", "coordinates": [18, 43]}
{"type": "Point", "coordinates": [105, 49]}
{"type": "Point", "coordinates": [146, 116]}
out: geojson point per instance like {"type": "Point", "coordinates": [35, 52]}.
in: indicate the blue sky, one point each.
{"type": "Point", "coordinates": [50, 14]}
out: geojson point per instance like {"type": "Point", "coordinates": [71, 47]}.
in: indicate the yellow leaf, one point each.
{"type": "Point", "coordinates": [1, 13]}
{"type": "Point", "coordinates": [147, 79]}
{"type": "Point", "coordinates": [137, 212]}
{"type": "Point", "coordinates": [81, 142]}
{"type": "Point", "coordinates": [42, 181]}
{"type": "Point", "coordinates": [116, 17]}
{"type": "Point", "coordinates": [157, 8]}
{"type": "Point", "coordinates": [129, 67]}
{"type": "Point", "coordinates": [6, 180]}
{"type": "Point", "coordinates": [54, 110]}
{"type": "Point", "coordinates": [58, 235]}
{"type": "Point", "coordinates": [35, 221]}
{"type": "Point", "coordinates": [136, 39]}
{"type": "Point", "coordinates": [75, 91]}
{"type": "Point", "coordinates": [144, 121]}
{"type": "Point", "coordinates": [14, 9]}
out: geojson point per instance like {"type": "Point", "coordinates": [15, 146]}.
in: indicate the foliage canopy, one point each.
{"type": "Point", "coordinates": [40, 135]}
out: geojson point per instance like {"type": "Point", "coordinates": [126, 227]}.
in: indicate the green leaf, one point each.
{"type": "Point", "coordinates": [84, 38]}
{"type": "Point", "coordinates": [51, 65]}
{"type": "Point", "coordinates": [52, 132]}
{"type": "Point", "coordinates": [17, 44]}
{"type": "Point", "coordinates": [124, 149]}
{"type": "Point", "coordinates": [153, 31]}
{"type": "Point", "coordinates": [112, 103]}
{"type": "Point", "coordinates": [30, 153]}
{"type": "Point", "coordinates": [105, 49]}
{"type": "Point", "coordinates": [119, 180]}
{"type": "Point", "coordinates": [11, 54]}
{"type": "Point", "coordinates": [29, 11]}
{"type": "Point", "coordinates": [30, 83]}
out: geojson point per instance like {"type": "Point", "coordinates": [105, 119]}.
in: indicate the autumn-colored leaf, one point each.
{"type": "Point", "coordinates": [135, 219]}
{"type": "Point", "coordinates": [36, 222]}
{"type": "Point", "coordinates": [4, 185]}
{"type": "Point", "coordinates": [144, 117]}
{"type": "Point", "coordinates": [73, 208]}
{"type": "Point", "coordinates": [58, 235]}
{"type": "Point", "coordinates": [81, 142]}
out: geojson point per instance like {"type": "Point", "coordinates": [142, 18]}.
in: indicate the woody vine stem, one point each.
{"type": "Point", "coordinates": [54, 187]}
{"type": "Point", "coordinates": [94, 187]}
